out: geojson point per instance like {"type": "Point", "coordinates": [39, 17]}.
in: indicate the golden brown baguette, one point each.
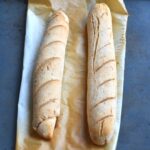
{"type": "Point", "coordinates": [102, 84]}
{"type": "Point", "coordinates": [48, 74]}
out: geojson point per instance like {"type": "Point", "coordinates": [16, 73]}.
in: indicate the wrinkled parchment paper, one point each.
{"type": "Point", "coordinates": [71, 132]}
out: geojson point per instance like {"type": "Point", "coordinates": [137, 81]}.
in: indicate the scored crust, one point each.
{"type": "Point", "coordinates": [48, 74]}
{"type": "Point", "coordinates": [102, 84]}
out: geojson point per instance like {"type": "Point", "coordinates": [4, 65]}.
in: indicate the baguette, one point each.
{"type": "Point", "coordinates": [101, 84]}
{"type": "Point", "coordinates": [48, 74]}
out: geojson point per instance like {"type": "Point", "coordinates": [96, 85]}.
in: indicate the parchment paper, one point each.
{"type": "Point", "coordinates": [71, 132]}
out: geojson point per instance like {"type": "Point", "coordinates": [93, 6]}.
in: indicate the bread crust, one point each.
{"type": "Point", "coordinates": [102, 83]}
{"type": "Point", "coordinates": [48, 74]}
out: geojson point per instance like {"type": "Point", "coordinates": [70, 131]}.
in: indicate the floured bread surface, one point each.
{"type": "Point", "coordinates": [48, 74]}
{"type": "Point", "coordinates": [102, 84]}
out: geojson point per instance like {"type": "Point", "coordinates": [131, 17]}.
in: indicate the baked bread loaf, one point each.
{"type": "Point", "coordinates": [48, 74]}
{"type": "Point", "coordinates": [102, 84]}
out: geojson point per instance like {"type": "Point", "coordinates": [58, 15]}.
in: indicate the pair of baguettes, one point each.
{"type": "Point", "coordinates": [101, 81]}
